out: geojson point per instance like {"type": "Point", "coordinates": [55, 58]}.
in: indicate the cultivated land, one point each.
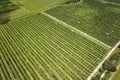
{"type": "Point", "coordinates": [93, 17]}
{"type": "Point", "coordinates": [47, 49]}
{"type": "Point", "coordinates": [63, 43]}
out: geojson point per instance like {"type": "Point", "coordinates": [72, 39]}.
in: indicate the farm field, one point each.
{"type": "Point", "coordinates": [29, 6]}
{"type": "Point", "coordinates": [37, 47]}
{"type": "Point", "coordinates": [54, 40]}
{"type": "Point", "coordinates": [99, 20]}
{"type": "Point", "coordinates": [37, 5]}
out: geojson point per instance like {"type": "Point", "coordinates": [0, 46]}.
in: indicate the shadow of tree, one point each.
{"type": "Point", "coordinates": [6, 6]}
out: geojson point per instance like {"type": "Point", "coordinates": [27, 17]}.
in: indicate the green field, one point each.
{"type": "Point", "coordinates": [21, 8]}
{"type": "Point", "coordinates": [46, 49]}
{"type": "Point", "coordinates": [93, 17]}
{"type": "Point", "coordinates": [37, 5]}
{"type": "Point", "coordinates": [29, 6]}
{"type": "Point", "coordinates": [34, 46]}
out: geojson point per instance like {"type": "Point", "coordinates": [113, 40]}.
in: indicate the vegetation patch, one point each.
{"type": "Point", "coordinates": [6, 6]}
{"type": "Point", "coordinates": [97, 19]}
{"type": "Point", "coordinates": [72, 1]}
{"type": "Point", "coordinates": [38, 40]}
{"type": "Point", "coordinates": [108, 68]}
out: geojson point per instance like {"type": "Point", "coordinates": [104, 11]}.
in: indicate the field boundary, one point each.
{"type": "Point", "coordinates": [73, 29]}
{"type": "Point", "coordinates": [100, 64]}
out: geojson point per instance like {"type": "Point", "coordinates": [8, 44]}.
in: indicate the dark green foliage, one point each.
{"type": "Point", "coordinates": [7, 6]}
{"type": "Point", "coordinates": [108, 65]}
{"type": "Point", "coordinates": [5, 20]}
{"type": "Point", "coordinates": [97, 77]}
{"type": "Point", "coordinates": [70, 1]}
{"type": "Point", "coordinates": [75, 0]}
{"type": "Point", "coordinates": [0, 77]}
{"type": "Point", "coordinates": [101, 70]}
{"type": "Point", "coordinates": [55, 78]}
{"type": "Point", "coordinates": [115, 57]}
{"type": "Point", "coordinates": [119, 46]}
{"type": "Point", "coordinates": [112, 68]}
